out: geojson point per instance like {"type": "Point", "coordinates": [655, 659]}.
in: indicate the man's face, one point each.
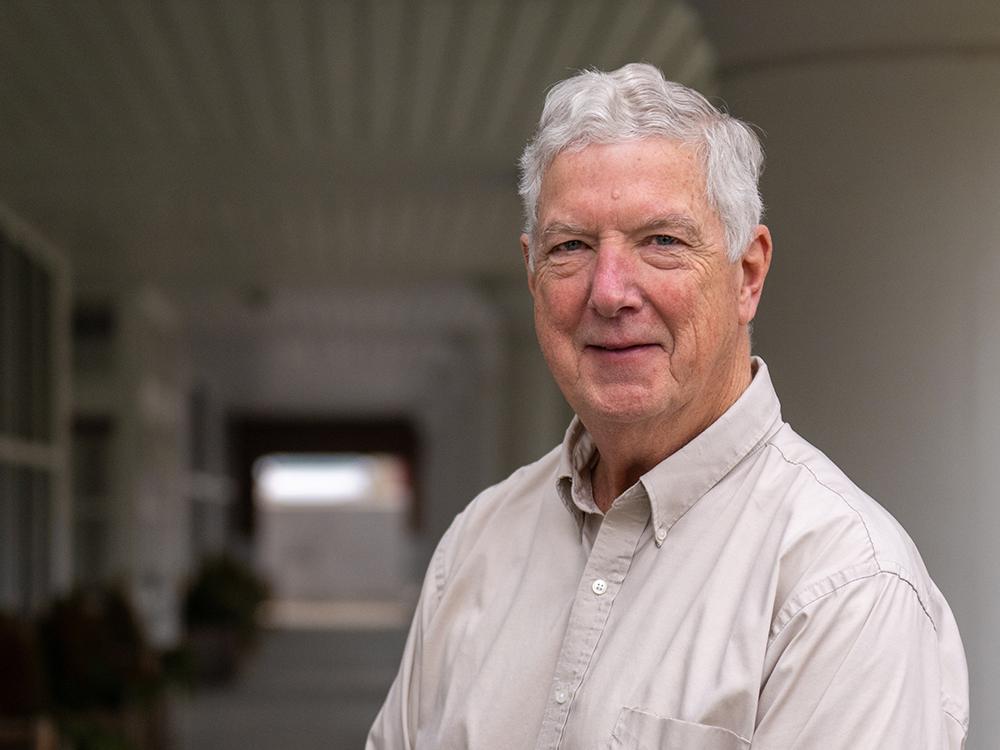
{"type": "Point", "coordinates": [639, 313]}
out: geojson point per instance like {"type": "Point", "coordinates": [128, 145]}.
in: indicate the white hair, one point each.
{"type": "Point", "coordinates": [636, 102]}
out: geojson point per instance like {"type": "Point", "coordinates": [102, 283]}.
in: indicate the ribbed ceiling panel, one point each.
{"type": "Point", "coordinates": [296, 141]}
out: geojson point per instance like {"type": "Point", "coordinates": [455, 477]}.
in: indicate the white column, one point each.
{"type": "Point", "coordinates": [881, 317]}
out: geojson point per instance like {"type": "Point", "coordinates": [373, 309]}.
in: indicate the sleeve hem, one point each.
{"type": "Point", "coordinates": [821, 589]}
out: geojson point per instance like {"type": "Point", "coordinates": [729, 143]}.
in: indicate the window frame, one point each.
{"type": "Point", "coordinates": [45, 452]}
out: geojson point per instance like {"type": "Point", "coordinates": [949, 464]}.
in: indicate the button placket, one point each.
{"type": "Point", "coordinates": [603, 574]}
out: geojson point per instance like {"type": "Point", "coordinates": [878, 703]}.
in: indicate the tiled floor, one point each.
{"type": "Point", "coordinates": [305, 689]}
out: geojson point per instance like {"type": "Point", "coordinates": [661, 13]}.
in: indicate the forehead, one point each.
{"type": "Point", "coordinates": [649, 175]}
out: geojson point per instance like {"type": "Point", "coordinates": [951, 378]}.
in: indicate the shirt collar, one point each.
{"type": "Point", "coordinates": [576, 458]}
{"type": "Point", "coordinates": [680, 480]}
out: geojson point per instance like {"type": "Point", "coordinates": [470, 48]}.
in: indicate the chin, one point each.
{"type": "Point", "coordinates": [625, 406]}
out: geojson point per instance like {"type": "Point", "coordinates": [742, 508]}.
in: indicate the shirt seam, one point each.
{"type": "Point", "coordinates": [945, 698]}
{"type": "Point", "coordinates": [668, 524]}
{"type": "Point", "coordinates": [843, 499]}
{"type": "Point", "coordinates": [880, 568]}
{"type": "Point", "coordinates": [964, 725]}
{"type": "Point", "coordinates": [954, 709]}
{"type": "Point", "coordinates": [836, 587]}
{"type": "Point", "coordinates": [438, 561]}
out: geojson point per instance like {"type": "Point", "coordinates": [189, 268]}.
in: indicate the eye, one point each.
{"type": "Point", "coordinates": [568, 246]}
{"type": "Point", "coordinates": [664, 240]}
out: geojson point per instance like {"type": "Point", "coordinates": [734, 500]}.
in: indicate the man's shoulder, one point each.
{"type": "Point", "coordinates": [524, 483]}
{"type": "Point", "coordinates": [838, 540]}
{"type": "Point", "coordinates": [849, 533]}
{"type": "Point", "coordinates": [509, 508]}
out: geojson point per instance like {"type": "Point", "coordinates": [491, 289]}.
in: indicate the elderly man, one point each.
{"type": "Point", "coordinates": [684, 571]}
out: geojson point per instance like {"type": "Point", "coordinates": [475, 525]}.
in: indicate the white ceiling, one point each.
{"type": "Point", "coordinates": [199, 143]}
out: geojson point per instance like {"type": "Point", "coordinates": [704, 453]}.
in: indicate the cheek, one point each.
{"type": "Point", "coordinates": [687, 310]}
{"type": "Point", "coordinates": [678, 304]}
{"type": "Point", "coordinates": [714, 321]}
{"type": "Point", "coordinates": [559, 307]}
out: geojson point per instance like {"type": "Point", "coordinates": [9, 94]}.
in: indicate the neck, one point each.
{"type": "Point", "coordinates": [626, 451]}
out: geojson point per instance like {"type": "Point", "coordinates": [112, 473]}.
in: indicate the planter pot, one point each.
{"type": "Point", "coordinates": [217, 653]}
{"type": "Point", "coordinates": [141, 727]}
{"type": "Point", "coordinates": [36, 733]}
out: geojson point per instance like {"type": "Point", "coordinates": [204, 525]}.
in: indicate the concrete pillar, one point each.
{"type": "Point", "coordinates": [881, 318]}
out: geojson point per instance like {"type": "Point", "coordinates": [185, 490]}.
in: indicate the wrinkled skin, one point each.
{"type": "Point", "coordinates": [641, 316]}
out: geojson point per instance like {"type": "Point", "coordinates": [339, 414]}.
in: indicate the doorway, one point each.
{"type": "Point", "coordinates": [330, 509]}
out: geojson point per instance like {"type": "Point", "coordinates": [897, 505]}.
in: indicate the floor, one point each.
{"type": "Point", "coordinates": [305, 688]}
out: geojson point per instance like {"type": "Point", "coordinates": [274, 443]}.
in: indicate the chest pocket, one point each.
{"type": "Point", "coordinates": [638, 730]}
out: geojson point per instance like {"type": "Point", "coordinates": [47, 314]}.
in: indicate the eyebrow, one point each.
{"type": "Point", "coordinates": [658, 222]}
{"type": "Point", "coordinates": [558, 227]}
{"type": "Point", "coordinates": [672, 222]}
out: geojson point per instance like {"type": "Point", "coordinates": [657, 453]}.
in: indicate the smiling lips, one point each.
{"type": "Point", "coordinates": [619, 348]}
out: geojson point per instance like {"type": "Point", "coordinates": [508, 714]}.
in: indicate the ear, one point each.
{"type": "Point", "coordinates": [753, 269]}
{"type": "Point", "coordinates": [526, 255]}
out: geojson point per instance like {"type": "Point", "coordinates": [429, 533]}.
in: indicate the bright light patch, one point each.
{"type": "Point", "coordinates": [332, 479]}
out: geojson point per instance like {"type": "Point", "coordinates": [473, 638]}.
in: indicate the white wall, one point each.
{"type": "Point", "coordinates": [335, 552]}
{"type": "Point", "coordinates": [881, 318]}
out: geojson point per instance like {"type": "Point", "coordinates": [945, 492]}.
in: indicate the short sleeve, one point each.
{"type": "Point", "coordinates": [858, 666]}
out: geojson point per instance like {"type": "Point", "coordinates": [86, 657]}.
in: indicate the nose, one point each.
{"type": "Point", "coordinates": [614, 285]}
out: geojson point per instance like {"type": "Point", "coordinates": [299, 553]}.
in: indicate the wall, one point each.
{"type": "Point", "coordinates": [881, 317]}
{"type": "Point", "coordinates": [321, 553]}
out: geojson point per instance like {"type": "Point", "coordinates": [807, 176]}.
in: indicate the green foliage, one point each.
{"type": "Point", "coordinates": [180, 666]}
{"type": "Point", "coordinates": [92, 735]}
{"type": "Point", "coordinates": [95, 651]}
{"type": "Point", "coordinates": [224, 593]}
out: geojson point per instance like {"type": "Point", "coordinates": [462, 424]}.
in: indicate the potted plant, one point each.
{"type": "Point", "coordinates": [103, 677]}
{"type": "Point", "coordinates": [23, 700]}
{"type": "Point", "coordinates": [220, 614]}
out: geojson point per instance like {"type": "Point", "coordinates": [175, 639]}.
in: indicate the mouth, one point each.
{"type": "Point", "coordinates": [619, 348]}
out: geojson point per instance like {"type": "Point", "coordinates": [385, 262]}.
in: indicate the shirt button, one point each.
{"type": "Point", "coordinates": [661, 534]}
{"type": "Point", "coordinates": [599, 586]}
{"type": "Point", "coordinates": [561, 696]}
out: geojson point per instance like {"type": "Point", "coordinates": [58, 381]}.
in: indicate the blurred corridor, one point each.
{"type": "Point", "coordinates": [308, 689]}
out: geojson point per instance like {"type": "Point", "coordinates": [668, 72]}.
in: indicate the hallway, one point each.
{"type": "Point", "coordinates": [305, 689]}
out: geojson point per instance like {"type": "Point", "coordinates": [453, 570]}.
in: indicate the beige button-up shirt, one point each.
{"type": "Point", "coordinates": [743, 592]}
